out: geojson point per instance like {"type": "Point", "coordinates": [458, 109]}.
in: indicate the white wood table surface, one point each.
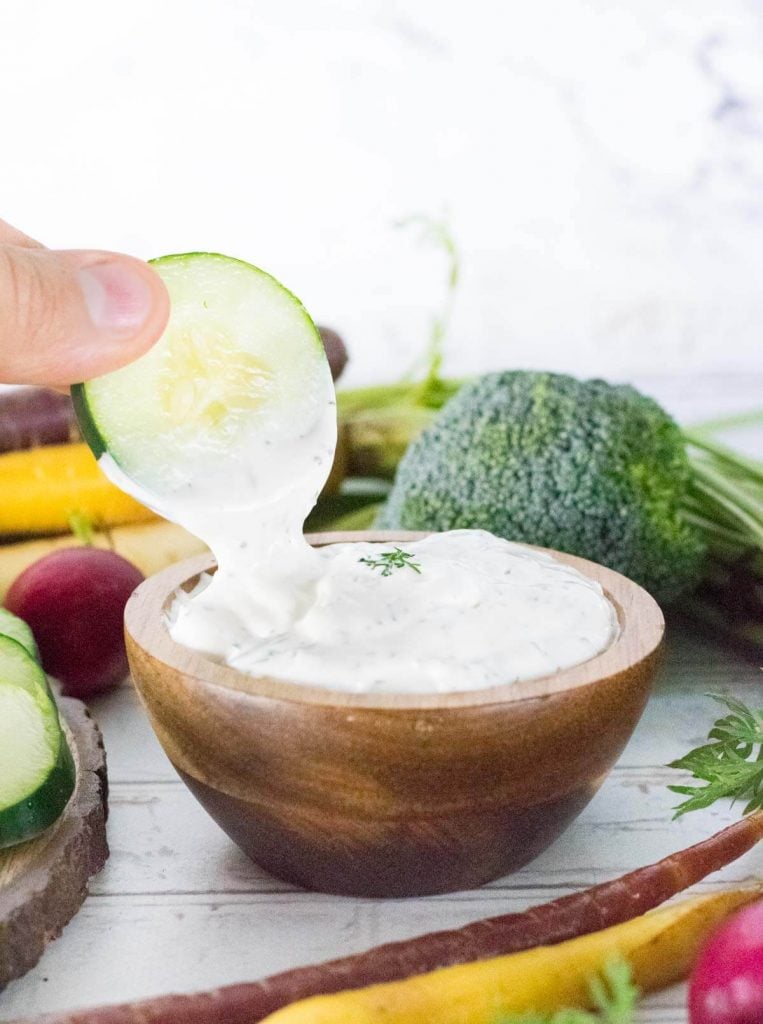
{"type": "Point", "coordinates": [179, 908]}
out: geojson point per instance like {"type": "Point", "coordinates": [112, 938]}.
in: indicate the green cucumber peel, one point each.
{"type": "Point", "coordinates": [14, 627]}
{"type": "Point", "coordinates": [188, 256]}
{"type": "Point", "coordinates": [38, 774]}
{"type": "Point", "coordinates": [85, 421]}
{"type": "Point", "coordinates": [238, 346]}
{"type": "Point", "coordinates": [43, 806]}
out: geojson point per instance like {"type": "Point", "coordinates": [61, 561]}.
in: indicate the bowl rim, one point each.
{"type": "Point", "coordinates": [639, 616]}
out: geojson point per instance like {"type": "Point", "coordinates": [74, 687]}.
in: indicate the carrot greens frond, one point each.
{"type": "Point", "coordinates": [731, 765]}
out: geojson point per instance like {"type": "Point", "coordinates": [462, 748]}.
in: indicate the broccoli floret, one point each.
{"type": "Point", "coordinates": [586, 467]}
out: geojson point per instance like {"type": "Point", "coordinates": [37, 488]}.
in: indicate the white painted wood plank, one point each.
{"type": "Point", "coordinates": [126, 948]}
{"type": "Point", "coordinates": [133, 752]}
{"type": "Point", "coordinates": [248, 931]}
{"type": "Point", "coordinates": [668, 1007]}
{"type": "Point", "coordinates": [123, 948]}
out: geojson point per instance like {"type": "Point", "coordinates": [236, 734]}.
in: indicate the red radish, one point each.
{"type": "Point", "coordinates": [727, 983]}
{"type": "Point", "coordinates": [73, 599]}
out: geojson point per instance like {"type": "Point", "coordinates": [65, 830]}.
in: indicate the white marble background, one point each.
{"type": "Point", "coordinates": [601, 163]}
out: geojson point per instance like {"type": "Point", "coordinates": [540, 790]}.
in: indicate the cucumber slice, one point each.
{"type": "Point", "coordinates": [239, 370]}
{"type": "Point", "coordinates": [20, 668]}
{"type": "Point", "coordinates": [37, 773]}
{"type": "Point", "coordinates": [14, 627]}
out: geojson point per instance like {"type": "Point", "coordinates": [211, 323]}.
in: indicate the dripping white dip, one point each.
{"type": "Point", "coordinates": [479, 611]}
{"type": "Point", "coordinates": [251, 428]}
{"type": "Point", "coordinates": [228, 427]}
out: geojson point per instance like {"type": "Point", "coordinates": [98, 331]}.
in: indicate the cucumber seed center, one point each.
{"type": "Point", "coordinates": [209, 382]}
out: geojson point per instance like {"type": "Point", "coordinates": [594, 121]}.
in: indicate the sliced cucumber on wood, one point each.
{"type": "Point", "coordinates": [37, 773]}
{"type": "Point", "coordinates": [240, 363]}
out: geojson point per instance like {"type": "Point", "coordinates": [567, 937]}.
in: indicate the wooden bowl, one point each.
{"type": "Point", "coordinates": [391, 794]}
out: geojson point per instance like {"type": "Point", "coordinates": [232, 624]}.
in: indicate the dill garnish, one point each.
{"type": "Point", "coordinates": [389, 560]}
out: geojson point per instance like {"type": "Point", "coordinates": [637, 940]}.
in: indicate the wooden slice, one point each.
{"type": "Point", "coordinates": [44, 882]}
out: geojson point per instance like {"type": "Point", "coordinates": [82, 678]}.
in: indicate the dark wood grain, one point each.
{"type": "Point", "coordinates": [392, 794]}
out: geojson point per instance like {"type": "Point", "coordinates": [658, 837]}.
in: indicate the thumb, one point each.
{"type": "Point", "coordinates": [69, 316]}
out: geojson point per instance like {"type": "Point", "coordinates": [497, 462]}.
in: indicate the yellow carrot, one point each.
{"type": "Point", "coordinates": [150, 546]}
{"type": "Point", "coordinates": [40, 489]}
{"type": "Point", "coordinates": [660, 948]}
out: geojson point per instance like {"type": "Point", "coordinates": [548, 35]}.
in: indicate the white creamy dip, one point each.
{"type": "Point", "coordinates": [476, 611]}
{"type": "Point", "coordinates": [479, 612]}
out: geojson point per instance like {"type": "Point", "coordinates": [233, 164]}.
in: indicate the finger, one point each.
{"type": "Point", "coordinates": [12, 236]}
{"type": "Point", "coordinates": [70, 316]}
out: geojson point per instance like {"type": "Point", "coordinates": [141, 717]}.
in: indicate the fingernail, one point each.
{"type": "Point", "coordinates": [117, 298]}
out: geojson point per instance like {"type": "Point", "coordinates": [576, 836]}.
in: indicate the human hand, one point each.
{"type": "Point", "coordinates": [71, 315]}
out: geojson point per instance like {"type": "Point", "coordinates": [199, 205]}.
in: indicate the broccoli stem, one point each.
{"type": "Point", "coordinates": [712, 529]}
{"type": "Point", "coordinates": [742, 506]}
{"type": "Point", "coordinates": [734, 460]}
{"type": "Point", "coordinates": [710, 428]}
